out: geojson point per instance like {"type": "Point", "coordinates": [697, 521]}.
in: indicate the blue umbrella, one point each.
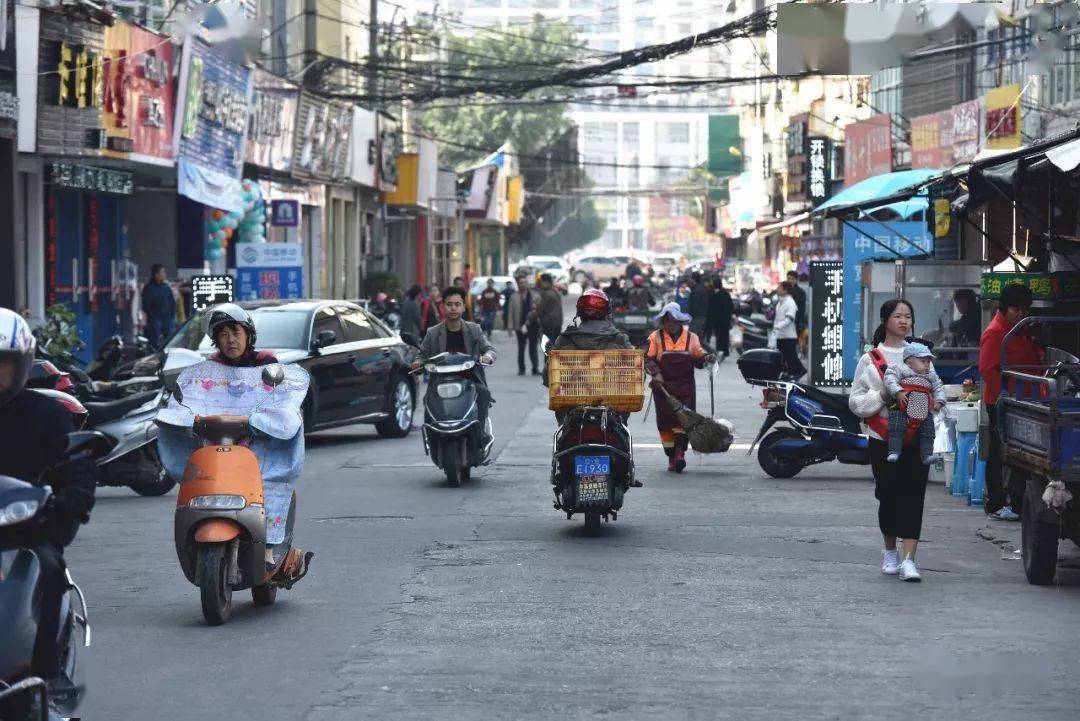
{"type": "Point", "coordinates": [880, 186]}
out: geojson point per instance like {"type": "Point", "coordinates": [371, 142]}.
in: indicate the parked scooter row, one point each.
{"type": "Point", "coordinates": [127, 420]}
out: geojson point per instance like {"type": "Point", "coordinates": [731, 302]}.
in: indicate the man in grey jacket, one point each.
{"type": "Point", "coordinates": [456, 335]}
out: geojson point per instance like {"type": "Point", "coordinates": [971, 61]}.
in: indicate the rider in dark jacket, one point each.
{"type": "Point", "coordinates": [33, 437]}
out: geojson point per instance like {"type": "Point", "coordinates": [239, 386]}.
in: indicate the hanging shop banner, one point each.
{"type": "Point", "coordinates": [273, 122]}
{"type": "Point", "coordinates": [827, 323]}
{"type": "Point", "coordinates": [321, 144]}
{"type": "Point", "coordinates": [268, 271]}
{"type": "Point", "coordinates": [137, 98]}
{"type": "Point", "coordinates": [211, 125]}
{"type": "Point", "coordinates": [965, 130]}
{"type": "Point", "coordinates": [867, 148]}
{"type": "Point", "coordinates": [389, 147]}
{"type": "Point", "coordinates": [70, 90]}
{"type": "Point", "coordinates": [931, 140]}
{"type": "Point", "coordinates": [869, 240]}
{"type": "Point", "coordinates": [797, 148]}
{"type": "Point", "coordinates": [1001, 125]}
{"type": "Point", "coordinates": [940, 221]}
{"type": "Point", "coordinates": [364, 148]}
{"type": "Point", "coordinates": [818, 169]}
{"type": "Point", "coordinates": [210, 290]}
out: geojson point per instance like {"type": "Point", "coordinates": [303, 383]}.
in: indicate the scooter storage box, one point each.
{"type": "Point", "coordinates": [612, 378]}
{"type": "Point", "coordinates": [761, 364]}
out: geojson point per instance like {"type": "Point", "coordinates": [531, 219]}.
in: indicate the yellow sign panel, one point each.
{"type": "Point", "coordinates": [1002, 124]}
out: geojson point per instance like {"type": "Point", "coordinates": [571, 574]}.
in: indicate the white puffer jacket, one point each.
{"type": "Point", "coordinates": [865, 399]}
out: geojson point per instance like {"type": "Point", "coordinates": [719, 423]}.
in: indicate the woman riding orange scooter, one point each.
{"type": "Point", "coordinates": [233, 431]}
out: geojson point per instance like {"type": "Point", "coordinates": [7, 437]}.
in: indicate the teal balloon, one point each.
{"type": "Point", "coordinates": [215, 254]}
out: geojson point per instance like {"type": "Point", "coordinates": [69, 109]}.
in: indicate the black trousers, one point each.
{"type": "Point", "coordinates": [789, 349]}
{"type": "Point", "coordinates": [53, 585]}
{"type": "Point", "coordinates": [999, 490]}
{"type": "Point", "coordinates": [900, 489]}
{"type": "Point", "coordinates": [723, 338]}
{"type": "Point", "coordinates": [530, 339]}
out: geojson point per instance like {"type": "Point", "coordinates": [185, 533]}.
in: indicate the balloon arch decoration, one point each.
{"type": "Point", "coordinates": [246, 226]}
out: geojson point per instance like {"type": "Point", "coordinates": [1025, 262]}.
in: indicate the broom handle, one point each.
{"type": "Point", "coordinates": [712, 397]}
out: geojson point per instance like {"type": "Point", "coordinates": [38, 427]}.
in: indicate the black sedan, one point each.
{"type": "Point", "coordinates": [359, 368]}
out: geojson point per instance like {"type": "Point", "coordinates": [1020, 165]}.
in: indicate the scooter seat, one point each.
{"type": "Point", "coordinates": [105, 411]}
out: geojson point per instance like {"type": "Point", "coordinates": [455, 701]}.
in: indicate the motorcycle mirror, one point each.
{"type": "Point", "coordinates": [273, 375]}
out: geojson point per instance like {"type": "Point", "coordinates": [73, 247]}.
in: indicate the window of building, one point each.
{"type": "Point", "coordinates": [673, 133]}
{"type": "Point", "coordinates": [644, 24]}
{"type": "Point", "coordinates": [600, 136]}
{"type": "Point", "coordinates": [630, 138]}
{"type": "Point", "coordinates": [683, 29]}
{"type": "Point", "coordinates": [485, 3]}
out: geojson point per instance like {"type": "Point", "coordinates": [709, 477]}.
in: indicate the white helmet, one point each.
{"type": "Point", "coordinates": [219, 315]}
{"type": "Point", "coordinates": [17, 346]}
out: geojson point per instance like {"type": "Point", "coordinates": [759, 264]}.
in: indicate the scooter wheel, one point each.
{"type": "Point", "coordinates": [775, 465]}
{"type": "Point", "coordinates": [451, 464]}
{"type": "Point", "coordinates": [214, 588]}
{"type": "Point", "coordinates": [264, 595]}
{"type": "Point", "coordinates": [592, 523]}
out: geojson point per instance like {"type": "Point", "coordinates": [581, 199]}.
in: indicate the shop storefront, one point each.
{"type": "Point", "coordinates": [486, 217]}
{"type": "Point", "coordinates": [407, 219]}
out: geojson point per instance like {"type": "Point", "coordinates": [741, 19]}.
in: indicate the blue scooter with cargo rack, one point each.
{"type": "Point", "coordinates": [818, 427]}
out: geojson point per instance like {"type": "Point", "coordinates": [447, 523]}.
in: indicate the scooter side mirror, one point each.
{"type": "Point", "coordinates": [273, 375]}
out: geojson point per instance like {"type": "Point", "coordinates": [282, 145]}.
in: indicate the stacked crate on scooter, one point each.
{"type": "Point", "coordinates": [611, 378]}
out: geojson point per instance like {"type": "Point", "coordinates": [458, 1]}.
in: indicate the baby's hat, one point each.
{"type": "Point", "coordinates": [917, 350]}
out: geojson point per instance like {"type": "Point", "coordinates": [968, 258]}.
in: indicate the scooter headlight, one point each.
{"type": "Point", "coordinates": [448, 390]}
{"type": "Point", "coordinates": [18, 512]}
{"type": "Point", "coordinates": [218, 503]}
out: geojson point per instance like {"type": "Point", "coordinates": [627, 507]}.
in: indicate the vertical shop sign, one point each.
{"type": "Point", "coordinates": [819, 169]}
{"type": "Point", "coordinates": [826, 322]}
{"type": "Point", "coordinates": [926, 143]}
{"type": "Point", "coordinates": [867, 148]}
{"type": "Point", "coordinates": [268, 271]}
{"type": "Point", "coordinates": [213, 102]}
{"type": "Point", "coordinates": [273, 122]}
{"type": "Point", "coordinates": [965, 130]}
{"type": "Point", "coordinates": [321, 145]}
{"type": "Point", "coordinates": [1002, 123]}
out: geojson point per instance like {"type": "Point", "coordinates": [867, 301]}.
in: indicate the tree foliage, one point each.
{"type": "Point", "coordinates": [521, 51]}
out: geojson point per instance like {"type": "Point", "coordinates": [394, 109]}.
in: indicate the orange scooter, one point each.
{"type": "Point", "coordinates": [220, 521]}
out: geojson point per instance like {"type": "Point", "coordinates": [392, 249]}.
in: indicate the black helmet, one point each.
{"type": "Point", "coordinates": [17, 346]}
{"type": "Point", "coordinates": [226, 313]}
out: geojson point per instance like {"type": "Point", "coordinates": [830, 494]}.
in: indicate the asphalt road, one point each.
{"type": "Point", "coordinates": [720, 593]}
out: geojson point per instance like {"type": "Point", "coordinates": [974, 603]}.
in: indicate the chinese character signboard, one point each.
{"type": "Point", "coordinates": [827, 323]}
{"type": "Point", "coordinates": [867, 148]}
{"type": "Point", "coordinates": [1043, 286]}
{"type": "Point", "coordinates": [965, 131]}
{"type": "Point", "coordinates": [796, 148]}
{"type": "Point", "coordinates": [931, 140]}
{"type": "Point", "coordinates": [91, 179]}
{"type": "Point", "coordinates": [213, 98]}
{"type": "Point", "coordinates": [210, 290]}
{"type": "Point", "coordinates": [268, 271]}
{"type": "Point", "coordinates": [69, 85]}
{"type": "Point", "coordinates": [321, 144]}
{"type": "Point", "coordinates": [137, 98]}
{"type": "Point", "coordinates": [1002, 123]}
{"type": "Point", "coordinates": [818, 169]}
{"type": "Point", "coordinates": [868, 240]}
{"type": "Point", "coordinates": [273, 122]}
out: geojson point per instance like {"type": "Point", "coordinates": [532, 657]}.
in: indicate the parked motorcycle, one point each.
{"type": "Point", "coordinates": [817, 427]}
{"type": "Point", "coordinates": [452, 434]}
{"type": "Point", "coordinates": [220, 525]}
{"type": "Point", "coordinates": [754, 330]}
{"type": "Point", "coordinates": [592, 464]}
{"type": "Point", "coordinates": [128, 420]}
{"type": "Point", "coordinates": [23, 506]}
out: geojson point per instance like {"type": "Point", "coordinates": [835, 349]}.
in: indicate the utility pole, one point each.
{"type": "Point", "coordinates": [373, 50]}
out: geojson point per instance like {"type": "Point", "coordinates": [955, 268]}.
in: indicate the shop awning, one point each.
{"type": "Point", "coordinates": [1062, 151]}
{"type": "Point", "coordinates": [879, 190]}
{"type": "Point", "coordinates": [786, 223]}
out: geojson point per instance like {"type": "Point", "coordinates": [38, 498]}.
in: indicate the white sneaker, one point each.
{"type": "Point", "coordinates": [891, 565]}
{"type": "Point", "coordinates": [908, 571]}
{"type": "Point", "coordinates": [1006, 514]}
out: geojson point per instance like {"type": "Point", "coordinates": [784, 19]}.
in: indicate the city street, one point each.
{"type": "Point", "coordinates": [721, 593]}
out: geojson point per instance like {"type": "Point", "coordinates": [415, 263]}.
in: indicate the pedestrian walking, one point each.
{"type": "Point", "coordinates": [698, 304]}
{"type": "Point", "coordinates": [507, 292]}
{"type": "Point", "coordinates": [1004, 503]}
{"type": "Point", "coordinates": [549, 312]}
{"type": "Point", "coordinates": [899, 487]}
{"type": "Point", "coordinates": [159, 305]}
{"type": "Point", "coordinates": [721, 308]}
{"type": "Point", "coordinates": [523, 323]}
{"type": "Point", "coordinates": [431, 310]}
{"type": "Point", "coordinates": [673, 354]}
{"type": "Point", "coordinates": [410, 313]}
{"type": "Point", "coordinates": [489, 306]}
{"type": "Point", "coordinates": [787, 335]}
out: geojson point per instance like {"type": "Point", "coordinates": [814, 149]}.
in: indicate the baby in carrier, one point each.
{"type": "Point", "coordinates": [916, 390]}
